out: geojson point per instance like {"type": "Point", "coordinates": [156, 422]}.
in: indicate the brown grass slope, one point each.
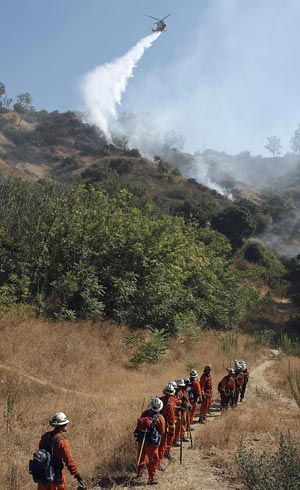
{"type": "Point", "coordinates": [82, 369]}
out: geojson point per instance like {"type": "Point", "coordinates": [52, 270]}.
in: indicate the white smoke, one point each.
{"type": "Point", "coordinates": [103, 87]}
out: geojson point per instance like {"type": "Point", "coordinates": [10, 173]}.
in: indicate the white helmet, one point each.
{"type": "Point", "coordinates": [169, 389]}
{"type": "Point", "coordinates": [156, 404]}
{"type": "Point", "coordinates": [243, 365]}
{"type": "Point", "coordinates": [230, 371]}
{"type": "Point", "coordinates": [58, 419]}
{"type": "Point", "coordinates": [180, 383]}
{"type": "Point", "coordinates": [193, 373]}
{"type": "Point", "coordinates": [173, 383]}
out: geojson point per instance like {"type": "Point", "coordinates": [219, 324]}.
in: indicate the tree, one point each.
{"type": "Point", "coordinates": [2, 89]}
{"type": "Point", "coordinates": [4, 101]}
{"type": "Point", "coordinates": [236, 223]}
{"type": "Point", "coordinates": [273, 145]}
{"type": "Point", "coordinates": [295, 140]}
{"type": "Point", "coordinates": [23, 105]}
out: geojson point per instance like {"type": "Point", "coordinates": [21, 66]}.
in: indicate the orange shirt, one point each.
{"type": "Point", "coordinates": [196, 387]}
{"type": "Point", "coordinates": [168, 412]}
{"type": "Point", "coordinates": [62, 450]}
{"type": "Point", "coordinates": [239, 379]}
{"type": "Point", "coordinates": [228, 383]}
{"type": "Point", "coordinates": [206, 383]}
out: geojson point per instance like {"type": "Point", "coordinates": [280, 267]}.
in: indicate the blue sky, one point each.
{"type": "Point", "coordinates": [225, 75]}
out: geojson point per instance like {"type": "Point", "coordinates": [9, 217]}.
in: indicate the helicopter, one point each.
{"type": "Point", "coordinates": [161, 26]}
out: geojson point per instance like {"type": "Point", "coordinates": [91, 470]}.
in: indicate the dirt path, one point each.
{"type": "Point", "coordinates": [47, 384]}
{"type": "Point", "coordinates": [198, 470]}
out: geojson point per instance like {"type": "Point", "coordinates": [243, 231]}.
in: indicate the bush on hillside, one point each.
{"type": "Point", "coordinates": [236, 223]}
{"type": "Point", "coordinates": [273, 269]}
{"type": "Point", "coordinates": [271, 469]}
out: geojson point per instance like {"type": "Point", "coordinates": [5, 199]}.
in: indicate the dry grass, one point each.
{"type": "Point", "coordinates": [283, 367]}
{"type": "Point", "coordinates": [82, 369]}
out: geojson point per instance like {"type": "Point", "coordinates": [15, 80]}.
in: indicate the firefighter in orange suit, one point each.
{"type": "Point", "coordinates": [246, 379]}
{"type": "Point", "coordinates": [150, 451]}
{"type": "Point", "coordinates": [227, 389]}
{"type": "Point", "coordinates": [169, 402]}
{"type": "Point", "coordinates": [61, 453]}
{"type": "Point", "coordinates": [206, 390]}
{"type": "Point", "coordinates": [181, 407]}
{"type": "Point", "coordinates": [195, 393]}
{"type": "Point", "coordinates": [239, 381]}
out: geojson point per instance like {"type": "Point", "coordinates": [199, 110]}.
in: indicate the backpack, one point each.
{"type": "Point", "coordinates": [220, 387]}
{"type": "Point", "coordinates": [146, 430]}
{"type": "Point", "coordinates": [43, 468]}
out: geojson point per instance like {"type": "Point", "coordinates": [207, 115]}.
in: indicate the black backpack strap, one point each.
{"type": "Point", "coordinates": [53, 441]}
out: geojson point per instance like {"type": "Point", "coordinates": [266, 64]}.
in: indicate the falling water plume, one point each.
{"type": "Point", "coordinates": [103, 86]}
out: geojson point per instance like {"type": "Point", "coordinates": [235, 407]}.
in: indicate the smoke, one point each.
{"type": "Point", "coordinates": [102, 88]}
{"type": "Point", "coordinates": [200, 170]}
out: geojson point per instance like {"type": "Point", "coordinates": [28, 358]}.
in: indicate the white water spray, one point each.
{"type": "Point", "coordinates": [103, 87]}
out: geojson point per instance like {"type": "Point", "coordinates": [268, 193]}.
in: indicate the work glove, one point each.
{"type": "Point", "coordinates": [199, 400]}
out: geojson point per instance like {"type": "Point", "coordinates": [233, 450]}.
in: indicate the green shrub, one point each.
{"type": "Point", "coordinates": [270, 470]}
{"type": "Point", "coordinates": [148, 348]}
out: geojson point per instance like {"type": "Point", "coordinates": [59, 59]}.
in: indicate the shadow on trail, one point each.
{"type": "Point", "coordinates": [122, 480]}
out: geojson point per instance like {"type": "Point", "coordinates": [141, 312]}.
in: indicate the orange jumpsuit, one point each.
{"type": "Point", "coordinates": [182, 404]}
{"type": "Point", "coordinates": [197, 394]}
{"type": "Point", "coordinates": [239, 383]}
{"type": "Point", "coordinates": [227, 390]}
{"type": "Point", "coordinates": [246, 379]}
{"type": "Point", "coordinates": [150, 451]}
{"type": "Point", "coordinates": [206, 388]}
{"type": "Point", "coordinates": [168, 412]}
{"type": "Point", "coordinates": [62, 453]}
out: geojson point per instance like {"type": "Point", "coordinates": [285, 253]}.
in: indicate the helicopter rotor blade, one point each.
{"type": "Point", "coordinates": [152, 17]}
{"type": "Point", "coordinates": [166, 16]}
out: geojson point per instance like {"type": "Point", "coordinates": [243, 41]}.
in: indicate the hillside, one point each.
{"type": "Point", "coordinates": [85, 372]}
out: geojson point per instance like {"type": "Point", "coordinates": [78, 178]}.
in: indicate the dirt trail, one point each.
{"type": "Point", "coordinates": [47, 384]}
{"type": "Point", "coordinates": [259, 382]}
{"type": "Point", "coordinates": [198, 470]}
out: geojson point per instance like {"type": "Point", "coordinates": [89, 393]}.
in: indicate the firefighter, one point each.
{"type": "Point", "coordinates": [194, 393]}
{"type": "Point", "coordinates": [62, 455]}
{"type": "Point", "coordinates": [167, 439]}
{"type": "Point", "coordinates": [181, 407]}
{"type": "Point", "coordinates": [239, 381]}
{"type": "Point", "coordinates": [227, 389]}
{"type": "Point", "coordinates": [147, 449]}
{"type": "Point", "coordinates": [246, 379]}
{"type": "Point", "coordinates": [206, 392]}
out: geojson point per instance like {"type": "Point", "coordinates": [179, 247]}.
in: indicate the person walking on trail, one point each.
{"type": "Point", "coordinates": [194, 393]}
{"type": "Point", "coordinates": [227, 389]}
{"type": "Point", "coordinates": [62, 455]}
{"type": "Point", "coordinates": [206, 390]}
{"type": "Point", "coordinates": [148, 455]}
{"type": "Point", "coordinates": [167, 439]}
{"type": "Point", "coordinates": [181, 407]}
{"type": "Point", "coordinates": [239, 381]}
{"type": "Point", "coordinates": [246, 379]}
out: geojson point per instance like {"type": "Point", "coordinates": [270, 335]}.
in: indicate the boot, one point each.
{"type": "Point", "coordinates": [151, 481]}
{"type": "Point", "coordinates": [201, 419]}
{"type": "Point", "coordinates": [169, 457]}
